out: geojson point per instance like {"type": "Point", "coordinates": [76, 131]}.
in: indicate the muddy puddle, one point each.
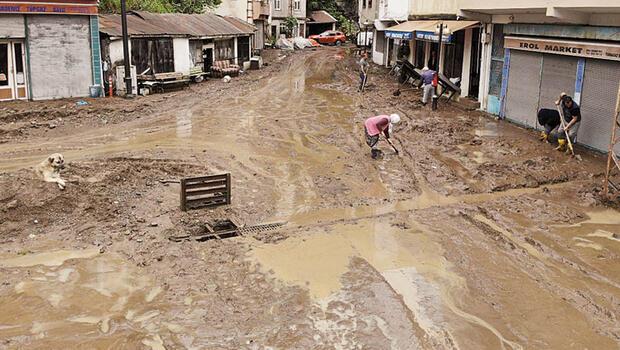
{"type": "Point", "coordinates": [404, 254]}
{"type": "Point", "coordinates": [78, 299]}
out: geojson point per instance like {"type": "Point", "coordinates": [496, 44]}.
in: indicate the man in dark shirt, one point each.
{"type": "Point", "coordinates": [572, 120]}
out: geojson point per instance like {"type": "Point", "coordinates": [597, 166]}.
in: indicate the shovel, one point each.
{"type": "Point", "coordinates": [391, 144]}
{"type": "Point", "coordinates": [398, 91]}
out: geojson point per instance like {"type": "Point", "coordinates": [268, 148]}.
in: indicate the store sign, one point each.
{"type": "Point", "coordinates": [75, 7]}
{"type": "Point", "coordinates": [567, 48]}
{"type": "Point", "coordinates": [432, 36]}
{"type": "Point", "coordinates": [399, 35]}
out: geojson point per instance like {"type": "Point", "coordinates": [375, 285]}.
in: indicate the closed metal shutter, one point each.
{"type": "Point", "coordinates": [598, 103]}
{"type": "Point", "coordinates": [523, 87]}
{"type": "Point", "coordinates": [558, 75]}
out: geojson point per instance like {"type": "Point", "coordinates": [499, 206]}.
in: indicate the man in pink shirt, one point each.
{"type": "Point", "coordinates": [373, 128]}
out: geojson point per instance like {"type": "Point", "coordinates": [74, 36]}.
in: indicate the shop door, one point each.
{"type": "Point", "coordinates": [598, 103]}
{"type": "Point", "coordinates": [558, 75]}
{"type": "Point", "coordinates": [523, 87]}
{"type": "Point", "coordinates": [243, 49]}
{"type": "Point", "coordinates": [12, 73]}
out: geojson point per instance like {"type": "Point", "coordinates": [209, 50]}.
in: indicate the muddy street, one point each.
{"type": "Point", "coordinates": [475, 236]}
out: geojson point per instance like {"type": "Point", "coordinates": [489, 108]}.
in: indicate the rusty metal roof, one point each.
{"type": "Point", "coordinates": [147, 24]}
{"type": "Point", "coordinates": [322, 17]}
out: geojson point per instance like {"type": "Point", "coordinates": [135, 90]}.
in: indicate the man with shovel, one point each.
{"type": "Point", "coordinates": [363, 71]}
{"type": "Point", "coordinates": [570, 125]}
{"type": "Point", "coordinates": [373, 128]}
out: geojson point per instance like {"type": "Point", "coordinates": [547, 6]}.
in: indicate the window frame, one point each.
{"type": "Point", "coordinates": [277, 5]}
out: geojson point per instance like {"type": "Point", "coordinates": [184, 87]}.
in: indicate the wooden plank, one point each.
{"type": "Point", "coordinates": [228, 184]}
{"type": "Point", "coordinates": [190, 194]}
{"type": "Point", "coordinates": [205, 202]}
{"type": "Point", "coordinates": [200, 185]}
{"type": "Point", "coordinates": [206, 178]}
{"type": "Point", "coordinates": [183, 197]}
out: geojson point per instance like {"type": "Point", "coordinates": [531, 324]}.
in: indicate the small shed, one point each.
{"type": "Point", "coordinates": [174, 42]}
{"type": "Point", "coordinates": [319, 22]}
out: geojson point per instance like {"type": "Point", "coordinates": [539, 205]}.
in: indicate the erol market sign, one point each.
{"type": "Point", "coordinates": [568, 48]}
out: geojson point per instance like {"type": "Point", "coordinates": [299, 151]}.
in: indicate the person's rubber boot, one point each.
{"type": "Point", "coordinates": [561, 145]}
{"type": "Point", "coordinates": [544, 137]}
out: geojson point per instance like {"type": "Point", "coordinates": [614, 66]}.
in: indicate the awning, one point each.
{"type": "Point", "coordinates": [425, 30]}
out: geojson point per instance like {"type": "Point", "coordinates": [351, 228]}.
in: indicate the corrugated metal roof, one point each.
{"type": "Point", "coordinates": [141, 23]}
{"type": "Point", "coordinates": [321, 17]}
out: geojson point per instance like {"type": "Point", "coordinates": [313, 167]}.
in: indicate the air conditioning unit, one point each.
{"type": "Point", "coordinates": [120, 81]}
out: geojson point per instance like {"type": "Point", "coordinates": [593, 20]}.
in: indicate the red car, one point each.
{"type": "Point", "coordinates": [330, 37]}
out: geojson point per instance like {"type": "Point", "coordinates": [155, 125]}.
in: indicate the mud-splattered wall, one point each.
{"type": "Point", "coordinates": [60, 56]}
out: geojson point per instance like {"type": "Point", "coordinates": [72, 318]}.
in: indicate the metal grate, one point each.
{"type": "Point", "coordinates": [523, 87]}
{"type": "Point", "coordinates": [558, 75]}
{"type": "Point", "coordinates": [227, 229]}
{"type": "Point", "coordinates": [598, 102]}
{"type": "Point", "coordinates": [260, 228]}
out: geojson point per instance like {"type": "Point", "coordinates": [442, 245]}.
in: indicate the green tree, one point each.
{"type": "Point", "coordinates": [180, 6]}
{"type": "Point", "coordinates": [290, 23]}
{"type": "Point", "coordinates": [344, 11]}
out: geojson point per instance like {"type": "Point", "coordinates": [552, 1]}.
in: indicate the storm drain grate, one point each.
{"type": "Point", "coordinates": [226, 229]}
{"type": "Point", "coordinates": [260, 228]}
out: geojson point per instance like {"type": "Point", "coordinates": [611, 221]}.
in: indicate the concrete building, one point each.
{"type": "Point", "coordinates": [256, 12]}
{"type": "Point", "coordinates": [280, 10]}
{"type": "Point", "coordinates": [406, 30]}
{"type": "Point", "coordinates": [48, 49]}
{"type": "Point", "coordinates": [533, 50]}
{"type": "Point", "coordinates": [377, 16]}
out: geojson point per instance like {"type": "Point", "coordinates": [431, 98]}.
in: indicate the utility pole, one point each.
{"type": "Point", "coordinates": [128, 88]}
{"type": "Point", "coordinates": [613, 159]}
{"type": "Point", "coordinates": [437, 60]}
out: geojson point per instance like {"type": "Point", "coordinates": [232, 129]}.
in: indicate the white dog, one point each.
{"type": "Point", "coordinates": [49, 169]}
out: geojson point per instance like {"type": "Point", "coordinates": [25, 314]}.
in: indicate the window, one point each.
{"type": "Point", "coordinates": [297, 5]}
{"type": "Point", "coordinates": [370, 4]}
{"type": "Point", "coordinates": [224, 49]}
{"type": "Point", "coordinates": [156, 54]}
{"type": "Point", "coordinates": [277, 5]}
{"type": "Point", "coordinates": [364, 4]}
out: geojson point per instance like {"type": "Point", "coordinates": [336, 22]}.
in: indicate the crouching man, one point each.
{"type": "Point", "coordinates": [374, 126]}
{"type": "Point", "coordinates": [550, 120]}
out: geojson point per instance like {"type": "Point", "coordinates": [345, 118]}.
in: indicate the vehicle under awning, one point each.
{"type": "Point", "coordinates": [425, 30]}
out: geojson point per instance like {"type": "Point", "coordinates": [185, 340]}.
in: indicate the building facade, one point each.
{"type": "Point", "coordinates": [256, 12]}
{"type": "Point", "coordinates": [49, 49]}
{"type": "Point", "coordinates": [532, 52]}
{"type": "Point", "coordinates": [280, 11]}
{"type": "Point", "coordinates": [406, 30]}
{"type": "Point", "coordinates": [175, 43]}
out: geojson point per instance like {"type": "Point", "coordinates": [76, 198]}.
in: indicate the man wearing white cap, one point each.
{"type": "Point", "coordinates": [373, 128]}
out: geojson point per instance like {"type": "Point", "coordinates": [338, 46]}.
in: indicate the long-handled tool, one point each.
{"type": "Point", "coordinates": [563, 122]}
{"type": "Point", "coordinates": [365, 80]}
{"type": "Point", "coordinates": [391, 144]}
{"type": "Point", "coordinates": [398, 91]}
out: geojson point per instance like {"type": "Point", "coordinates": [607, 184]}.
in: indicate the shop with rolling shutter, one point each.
{"type": "Point", "coordinates": [598, 101]}
{"type": "Point", "coordinates": [539, 69]}
{"type": "Point", "coordinates": [523, 87]}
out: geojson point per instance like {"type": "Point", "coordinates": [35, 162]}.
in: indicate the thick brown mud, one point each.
{"type": "Point", "coordinates": [475, 236]}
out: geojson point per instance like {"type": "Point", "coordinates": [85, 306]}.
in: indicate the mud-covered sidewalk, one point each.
{"type": "Point", "coordinates": [476, 236]}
